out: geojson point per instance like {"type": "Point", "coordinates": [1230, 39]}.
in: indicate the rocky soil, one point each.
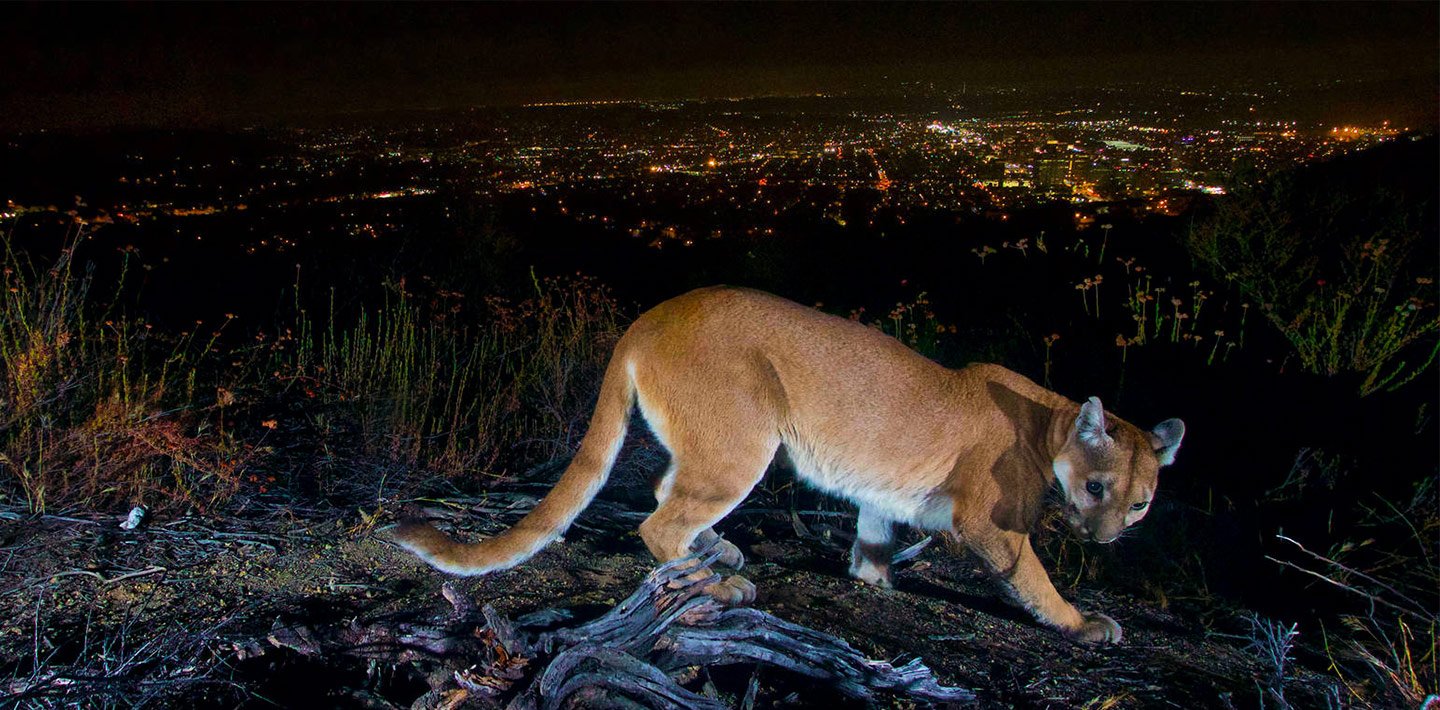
{"type": "Point", "coordinates": [177, 613]}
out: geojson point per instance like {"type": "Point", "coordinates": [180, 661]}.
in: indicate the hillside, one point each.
{"type": "Point", "coordinates": [1289, 558]}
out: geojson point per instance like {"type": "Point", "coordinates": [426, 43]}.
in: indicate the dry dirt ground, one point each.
{"type": "Point", "coordinates": [96, 615]}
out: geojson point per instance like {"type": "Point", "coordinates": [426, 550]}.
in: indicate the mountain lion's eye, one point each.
{"type": "Point", "coordinates": [1140, 506]}
{"type": "Point", "coordinates": [1095, 488]}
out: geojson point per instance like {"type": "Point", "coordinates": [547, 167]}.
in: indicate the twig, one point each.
{"type": "Point", "coordinates": [1421, 614]}
{"type": "Point", "coordinates": [1368, 596]}
{"type": "Point", "coordinates": [220, 534]}
{"type": "Point", "coordinates": [912, 551]}
{"type": "Point", "coordinates": [69, 519]}
{"type": "Point", "coordinates": [782, 511]}
{"type": "Point", "coordinates": [88, 573]}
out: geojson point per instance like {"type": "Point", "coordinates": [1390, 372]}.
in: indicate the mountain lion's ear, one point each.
{"type": "Point", "coordinates": [1166, 437]}
{"type": "Point", "coordinates": [1090, 425]}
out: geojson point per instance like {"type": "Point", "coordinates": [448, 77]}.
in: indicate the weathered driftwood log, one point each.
{"type": "Point", "coordinates": [630, 657]}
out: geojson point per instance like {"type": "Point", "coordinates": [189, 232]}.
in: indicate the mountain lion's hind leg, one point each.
{"type": "Point", "coordinates": [708, 484]}
{"type": "Point", "coordinates": [874, 547]}
{"type": "Point", "coordinates": [730, 555]}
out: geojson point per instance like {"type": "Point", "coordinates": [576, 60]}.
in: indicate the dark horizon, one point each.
{"type": "Point", "coordinates": [80, 66]}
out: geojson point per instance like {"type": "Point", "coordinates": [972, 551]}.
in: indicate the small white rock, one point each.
{"type": "Point", "coordinates": [136, 517]}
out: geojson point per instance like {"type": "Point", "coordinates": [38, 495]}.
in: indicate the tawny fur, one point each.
{"type": "Point", "coordinates": [725, 376]}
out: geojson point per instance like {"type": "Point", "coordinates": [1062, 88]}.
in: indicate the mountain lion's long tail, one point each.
{"type": "Point", "coordinates": [574, 491]}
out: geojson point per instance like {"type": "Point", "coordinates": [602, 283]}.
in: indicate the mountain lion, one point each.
{"type": "Point", "coordinates": [724, 376]}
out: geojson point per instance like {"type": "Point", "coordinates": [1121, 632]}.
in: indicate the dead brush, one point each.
{"type": "Point", "coordinates": [140, 455]}
{"type": "Point", "coordinates": [94, 409]}
{"type": "Point", "coordinates": [435, 384]}
{"type": "Point", "coordinates": [1384, 653]}
{"type": "Point", "coordinates": [125, 666]}
{"type": "Point", "coordinates": [1273, 643]}
{"type": "Point", "coordinates": [573, 324]}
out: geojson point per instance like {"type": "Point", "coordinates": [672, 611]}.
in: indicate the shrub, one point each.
{"type": "Point", "coordinates": [1387, 653]}
{"type": "Point", "coordinates": [99, 408]}
{"type": "Point", "coordinates": [1381, 645]}
{"type": "Point", "coordinates": [96, 409]}
{"type": "Point", "coordinates": [430, 389]}
{"type": "Point", "coordinates": [1333, 274]}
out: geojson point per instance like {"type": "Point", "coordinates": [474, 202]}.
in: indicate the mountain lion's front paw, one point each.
{"type": "Point", "coordinates": [732, 591]}
{"type": "Point", "coordinates": [866, 571]}
{"type": "Point", "coordinates": [1098, 628]}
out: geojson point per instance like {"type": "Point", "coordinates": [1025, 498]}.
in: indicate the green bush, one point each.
{"type": "Point", "coordinates": [1334, 275]}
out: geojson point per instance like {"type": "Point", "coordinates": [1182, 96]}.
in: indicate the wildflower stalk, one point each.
{"type": "Point", "coordinates": [1049, 341]}
{"type": "Point", "coordinates": [1219, 335]}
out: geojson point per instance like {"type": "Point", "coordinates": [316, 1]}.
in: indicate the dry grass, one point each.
{"type": "Point", "coordinates": [1386, 653]}
{"type": "Point", "coordinates": [434, 386]}
{"type": "Point", "coordinates": [99, 409]}
{"type": "Point", "coordinates": [94, 407]}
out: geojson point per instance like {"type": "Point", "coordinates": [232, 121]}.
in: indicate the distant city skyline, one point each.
{"type": "Point", "coordinates": [736, 168]}
{"type": "Point", "coordinates": [180, 65]}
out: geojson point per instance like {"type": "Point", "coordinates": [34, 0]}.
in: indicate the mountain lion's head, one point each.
{"type": "Point", "coordinates": [1108, 470]}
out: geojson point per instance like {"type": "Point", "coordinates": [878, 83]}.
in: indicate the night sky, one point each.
{"type": "Point", "coordinates": [198, 64]}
